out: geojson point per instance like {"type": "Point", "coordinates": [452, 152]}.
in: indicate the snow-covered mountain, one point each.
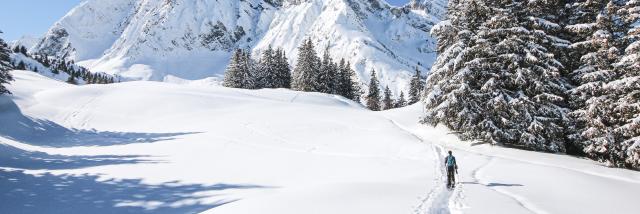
{"type": "Point", "coordinates": [26, 41]}
{"type": "Point", "coordinates": [193, 39]}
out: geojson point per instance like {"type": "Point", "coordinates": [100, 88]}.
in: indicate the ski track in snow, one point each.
{"type": "Point", "coordinates": [440, 200]}
{"type": "Point", "coordinates": [76, 113]}
{"type": "Point", "coordinates": [517, 199]}
{"type": "Point", "coordinates": [586, 172]}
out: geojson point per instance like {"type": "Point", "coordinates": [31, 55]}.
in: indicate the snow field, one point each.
{"type": "Point", "coordinates": [152, 147]}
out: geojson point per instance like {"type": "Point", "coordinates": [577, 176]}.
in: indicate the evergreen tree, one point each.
{"type": "Point", "coordinates": [307, 68]}
{"type": "Point", "coordinates": [613, 117]}
{"type": "Point", "coordinates": [401, 101]}
{"type": "Point", "coordinates": [387, 101]}
{"type": "Point", "coordinates": [449, 99]}
{"type": "Point", "coordinates": [283, 70]}
{"type": "Point", "coordinates": [5, 66]}
{"type": "Point", "coordinates": [266, 75]}
{"type": "Point", "coordinates": [416, 86]}
{"type": "Point", "coordinates": [72, 80]}
{"type": "Point", "coordinates": [356, 90]}
{"type": "Point", "coordinates": [345, 84]}
{"type": "Point", "coordinates": [628, 87]}
{"type": "Point", "coordinates": [251, 67]}
{"type": "Point", "coordinates": [341, 81]}
{"type": "Point", "coordinates": [237, 74]}
{"type": "Point", "coordinates": [21, 66]}
{"type": "Point", "coordinates": [595, 44]}
{"type": "Point", "coordinates": [326, 74]}
{"type": "Point", "coordinates": [373, 97]}
{"type": "Point", "coordinates": [334, 74]}
{"type": "Point", "coordinates": [46, 62]}
{"type": "Point", "coordinates": [500, 81]}
{"type": "Point", "coordinates": [23, 50]}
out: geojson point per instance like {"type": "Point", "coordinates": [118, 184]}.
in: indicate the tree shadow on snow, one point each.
{"type": "Point", "coordinates": [47, 193]}
{"type": "Point", "coordinates": [14, 125]}
{"type": "Point", "coordinates": [12, 157]}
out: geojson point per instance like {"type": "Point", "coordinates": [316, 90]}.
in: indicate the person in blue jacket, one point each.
{"type": "Point", "coordinates": [452, 166]}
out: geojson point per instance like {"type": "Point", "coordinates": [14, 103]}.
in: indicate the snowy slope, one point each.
{"type": "Point", "coordinates": [42, 70]}
{"type": "Point", "coordinates": [26, 41]}
{"type": "Point", "coordinates": [152, 147]}
{"type": "Point", "coordinates": [193, 39]}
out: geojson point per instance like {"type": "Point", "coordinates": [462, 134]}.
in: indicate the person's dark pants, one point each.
{"type": "Point", "coordinates": [451, 179]}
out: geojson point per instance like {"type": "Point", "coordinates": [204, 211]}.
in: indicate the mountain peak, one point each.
{"type": "Point", "coordinates": [152, 39]}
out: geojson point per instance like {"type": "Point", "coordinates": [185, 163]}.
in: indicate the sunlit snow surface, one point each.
{"type": "Point", "coordinates": [152, 147]}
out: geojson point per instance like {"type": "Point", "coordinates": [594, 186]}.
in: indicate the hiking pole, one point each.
{"type": "Point", "coordinates": [457, 177]}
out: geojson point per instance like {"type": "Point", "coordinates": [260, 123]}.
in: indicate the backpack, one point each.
{"type": "Point", "coordinates": [451, 161]}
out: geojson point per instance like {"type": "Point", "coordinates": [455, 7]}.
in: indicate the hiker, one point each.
{"type": "Point", "coordinates": [450, 163]}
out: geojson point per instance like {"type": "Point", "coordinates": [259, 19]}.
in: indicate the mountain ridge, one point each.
{"type": "Point", "coordinates": [193, 39]}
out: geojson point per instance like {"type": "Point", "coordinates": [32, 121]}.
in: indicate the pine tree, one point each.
{"type": "Point", "coordinates": [401, 101]}
{"type": "Point", "coordinates": [345, 85]}
{"type": "Point", "coordinates": [266, 75]}
{"type": "Point", "coordinates": [593, 30]}
{"type": "Point", "coordinates": [307, 68]}
{"type": "Point", "coordinates": [373, 97]}
{"type": "Point", "coordinates": [334, 74]}
{"type": "Point", "coordinates": [21, 66]}
{"type": "Point", "coordinates": [356, 90]}
{"type": "Point", "coordinates": [387, 101]}
{"type": "Point", "coordinates": [23, 50]}
{"type": "Point", "coordinates": [326, 74]}
{"type": "Point", "coordinates": [46, 62]}
{"type": "Point", "coordinates": [613, 118]}
{"type": "Point", "coordinates": [251, 68]}
{"type": "Point", "coordinates": [72, 80]}
{"type": "Point", "coordinates": [237, 74]}
{"type": "Point", "coordinates": [5, 66]}
{"type": "Point", "coordinates": [628, 87]}
{"type": "Point", "coordinates": [283, 70]}
{"type": "Point", "coordinates": [416, 86]}
{"type": "Point", "coordinates": [499, 81]}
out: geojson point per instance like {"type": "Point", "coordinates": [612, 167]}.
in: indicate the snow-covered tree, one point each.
{"type": "Point", "coordinates": [627, 87]}
{"type": "Point", "coordinates": [593, 28]}
{"type": "Point", "coordinates": [23, 50]}
{"type": "Point", "coordinates": [72, 80]}
{"type": "Point", "coordinates": [416, 86]}
{"type": "Point", "coordinates": [449, 98]}
{"type": "Point", "coordinates": [500, 81]}
{"type": "Point", "coordinates": [238, 74]}
{"type": "Point", "coordinates": [266, 75]}
{"type": "Point", "coordinates": [252, 67]}
{"type": "Point", "coordinates": [387, 101]}
{"type": "Point", "coordinates": [614, 117]}
{"type": "Point", "coordinates": [5, 66]}
{"type": "Point", "coordinates": [373, 97]}
{"type": "Point", "coordinates": [345, 84]}
{"type": "Point", "coordinates": [401, 101]}
{"type": "Point", "coordinates": [325, 81]}
{"type": "Point", "coordinates": [21, 66]}
{"type": "Point", "coordinates": [282, 70]}
{"type": "Point", "coordinates": [307, 68]}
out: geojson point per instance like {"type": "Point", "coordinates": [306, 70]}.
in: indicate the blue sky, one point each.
{"type": "Point", "coordinates": [31, 17]}
{"type": "Point", "coordinates": [34, 17]}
